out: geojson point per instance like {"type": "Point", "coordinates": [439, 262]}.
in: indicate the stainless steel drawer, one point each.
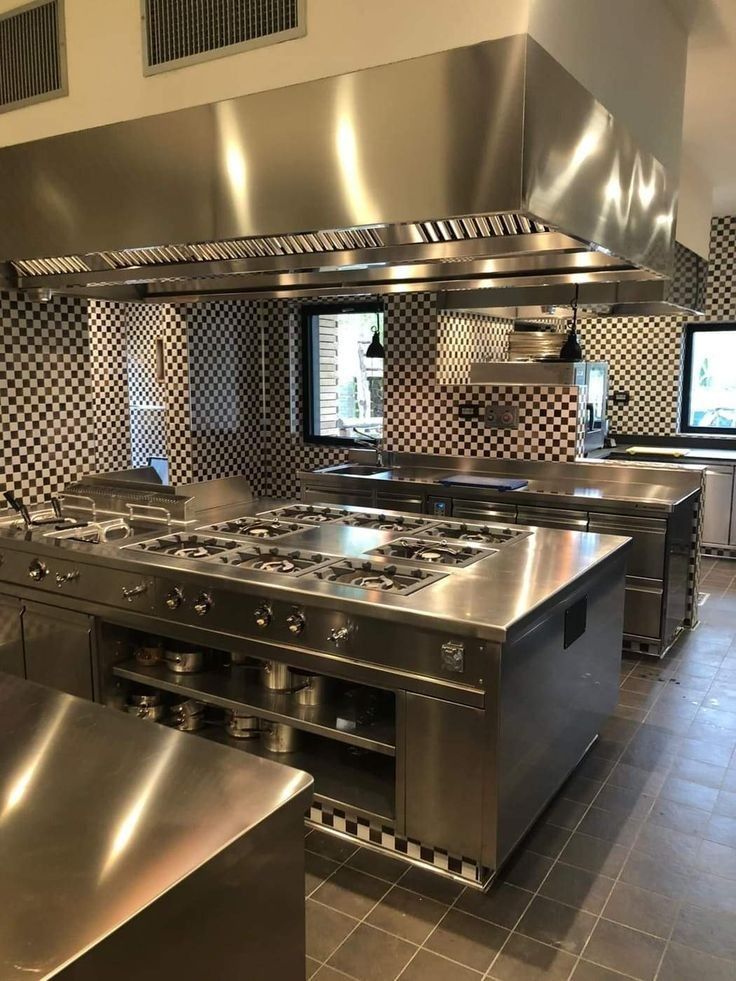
{"type": "Point", "coordinates": [315, 495]}
{"type": "Point", "coordinates": [484, 511]}
{"type": "Point", "coordinates": [643, 610]}
{"type": "Point", "coordinates": [649, 535]}
{"type": "Point", "coordinates": [398, 502]}
{"type": "Point", "coordinates": [554, 518]}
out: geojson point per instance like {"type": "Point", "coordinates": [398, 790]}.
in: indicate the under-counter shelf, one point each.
{"type": "Point", "coordinates": [232, 688]}
{"type": "Point", "coordinates": [359, 781]}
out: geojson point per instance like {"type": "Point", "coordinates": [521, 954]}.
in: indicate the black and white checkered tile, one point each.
{"type": "Point", "coordinates": [47, 422]}
{"type": "Point", "coordinates": [109, 371]}
{"type": "Point", "coordinates": [721, 288]}
{"type": "Point", "coordinates": [464, 338]}
{"type": "Point", "coordinates": [643, 355]}
{"type": "Point", "coordinates": [385, 837]}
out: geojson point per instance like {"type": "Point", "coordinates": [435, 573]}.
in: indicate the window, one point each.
{"type": "Point", "coordinates": [709, 379]}
{"type": "Point", "coordinates": [343, 388]}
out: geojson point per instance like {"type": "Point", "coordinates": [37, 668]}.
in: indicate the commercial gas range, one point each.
{"type": "Point", "coordinates": [492, 652]}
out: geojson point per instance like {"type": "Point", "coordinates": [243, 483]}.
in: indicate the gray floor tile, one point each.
{"type": "Point", "coordinates": [312, 967]}
{"type": "Point", "coordinates": [467, 940]}
{"type": "Point", "coordinates": [564, 813]}
{"type": "Point", "coordinates": [697, 772]}
{"type": "Point", "coordinates": [685, 964]}
{"type": "Point", "coordinates": [526, 870]}
{"type": "Point", "coordinates": [317, 869]}
{"type": "Point", "coordinates": [372, 955]}
{"type": "Point", "coordinates": [338, 849]}
{"type": "Point", "coordinates": [383, 866]}
{"type": "Point", "coordinates": [594, 854]}
{"type": "Point", "coordinates": [586, 971]}
{"type": "Point", "coordinates": [667, 845]}
{"type": "Point", "coordinates": [503, 904]}
{"type": "Point", "coordinates": [635, 778]}
{"type": "Point", "coordinates": [689, 793]}
{"type": "Point", "coordinates": [432, 885]}
{"type": "Point", "coordinates": [726, 804]}
{"type": "Point", "coordinates": [611, 825]}
{"type": "Point", "coordinates": [557, 925]}
{"type": "Point", "coordinates": [407, 914]}
{"type": "Point", "coordinates": [426, 966]}
{"type": "Point", "coordinates": [711, 891]}
{"type": "Point", "coordinates": [577, 887]}
{"type": "Point", "coordinates": [706, 930]}
{"type": "Point", "coordinates": [326, 929]}
{"type": "Point", "coordinates": [629, 802]}
{"type": "Point", "coordinates": [326, 973]}
{"type": "Point", "coordinates": [546, 839]}
{"type": "Point", "coordinates": [669, 879]}
{"type": "Point", "coordinates": [641, 909]}
{"type": "Point", "coordinates": [679, 817]}
{"type": "Point", "coordinates": [624, 950]}
{"type": "Point", "coordinates": [523, 959]}
{"type": "Point", "coordinates": [722, 829]}
{"type": "Point", "coordinates": [718, 859]}
{"type": "Point", "coordinates": [351, 891]}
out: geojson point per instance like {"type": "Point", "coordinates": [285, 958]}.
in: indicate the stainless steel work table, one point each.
{"type": "Point", "coordinates": [133, 851]}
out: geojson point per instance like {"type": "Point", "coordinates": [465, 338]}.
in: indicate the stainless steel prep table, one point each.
{"type": "Point", "coordinates": [132, 851]}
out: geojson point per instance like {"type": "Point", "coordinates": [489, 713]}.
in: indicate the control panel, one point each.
{"type": "Point", "coordinates": [500, 416]}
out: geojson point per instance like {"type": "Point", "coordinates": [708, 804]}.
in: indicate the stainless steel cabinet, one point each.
{"type": "Point", "coordinates": [11, 637]}
{"type": "Point", "coordinates": [58, 649]}
{"type": "Point", "coordinates": [315, 495]}
{"type": "Point", "coordinates": [412, 503]}
{"type": "Point", "coordinates": [484, 511]}
{"type": "Point", "coordinates": [718, 527]}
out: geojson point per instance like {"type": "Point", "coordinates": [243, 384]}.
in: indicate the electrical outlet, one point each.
{"type": "Point", "coordinates": [499, 416]}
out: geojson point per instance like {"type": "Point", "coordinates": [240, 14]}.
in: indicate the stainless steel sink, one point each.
{"type": "Point", "coordinates": [357, 469]}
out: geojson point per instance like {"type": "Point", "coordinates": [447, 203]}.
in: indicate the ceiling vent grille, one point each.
{"type": "Point", "coordinates": [183, 32]}
{"type": "Point", "coordinates": [32, 61]}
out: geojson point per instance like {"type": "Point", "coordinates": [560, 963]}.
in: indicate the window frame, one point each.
{"type": "Point", "coordinates": [691, 329]}
{"type": "Point", "coordinates": [310, 367]}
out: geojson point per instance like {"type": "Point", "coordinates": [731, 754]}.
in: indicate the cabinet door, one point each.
{"type": "Point", "coordinates": [315, 495]}
{"type": "Point", "coordinates": [717, 506]}
{"type": "Point", "coordinates": [58, 649]}
{"type": "Point", "coordinates": [444, 774]}
{"type": "Point", "coordinates": [11, 637]}
{"type": "Point", "coordinates": [553, 518]}
{"type": "Point", "coordinates": [400, 502]}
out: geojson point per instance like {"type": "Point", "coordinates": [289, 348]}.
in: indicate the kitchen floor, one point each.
{"type": "Point", "coordinates": [631, 872]}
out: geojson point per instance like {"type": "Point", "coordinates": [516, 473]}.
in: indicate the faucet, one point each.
{"type": "Point", "coordinates": [375, 443]}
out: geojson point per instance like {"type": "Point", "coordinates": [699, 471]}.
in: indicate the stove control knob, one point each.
{"type": "Point", "coordinates": [37, 570]}
{"type": "Point", "coordinates": [174, 598]}
{"type": "Point", "coordinates": [296, 621]}
{"type": "Point", "coordinates": [338, 634]}
{"type": "Point", "coordinates": [263, 616]}
{"type": "Point", "coordinates": [203, 604]}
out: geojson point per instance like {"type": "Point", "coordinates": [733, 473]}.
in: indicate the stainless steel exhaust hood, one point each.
{"type": "Point", "coordinates": [485, 166]}
{"type": "Point", "coordinates": [682, 295]}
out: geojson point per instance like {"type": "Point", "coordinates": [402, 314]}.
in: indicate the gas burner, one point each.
{"type": "Point", "coordinates": [262, 527]}
{"type": "Point", "coordinates": [385, 522]}
{"type": "Point", "coordinates": [186, 546]}
{"type": "Point", "coordinates": [307, 513]}
{"type": "Point", "coordinates": [276, 560]}
{"type": "Point", "coordinates": [381, 578]}
{"type": "Point", "coordinates": [448, 531]}
{"type": "Point", "coordinates": [437, 552]}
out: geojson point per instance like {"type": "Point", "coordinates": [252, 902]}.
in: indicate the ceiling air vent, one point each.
{"type": "Point", "coordinates": [183, 32]}
{"type": "Point", "coordinates": [32, 61]}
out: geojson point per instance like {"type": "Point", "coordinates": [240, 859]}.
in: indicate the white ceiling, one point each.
{"type": "Point", "coordinates": [709, 127]}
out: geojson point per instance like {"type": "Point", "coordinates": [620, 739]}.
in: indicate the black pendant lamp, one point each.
{"type": "Point", "coordinates": [375, 348]}
{"type": "Point", "coordinates": [571, 350]}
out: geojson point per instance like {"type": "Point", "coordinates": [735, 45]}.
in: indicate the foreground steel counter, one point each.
{"type": "Point", "coordinates": [133, 851]}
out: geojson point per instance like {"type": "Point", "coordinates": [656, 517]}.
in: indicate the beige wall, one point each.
{"type": "Point", "coordinates": [106, 83]}
{"type": "Point", "coordinates": [694, 208]}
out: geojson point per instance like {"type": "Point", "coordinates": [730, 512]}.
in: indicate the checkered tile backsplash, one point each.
{"type": "Point", "coordinates": [109, 371]}
{"type": "Point", "coordinates": [47, 422]}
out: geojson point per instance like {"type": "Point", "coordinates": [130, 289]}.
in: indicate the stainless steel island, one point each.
{"type": "Point", "coordinates": [439, 679]}
{"type": "Point", "coordinates": [132, 851]}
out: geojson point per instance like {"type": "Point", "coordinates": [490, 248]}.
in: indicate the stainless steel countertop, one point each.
{"type": "Point", "coordinates": [484, 599]}
{"type": "Point", "coordinates": [101, 813]}
{"type": "Point", "coordinates": [599, 484]}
